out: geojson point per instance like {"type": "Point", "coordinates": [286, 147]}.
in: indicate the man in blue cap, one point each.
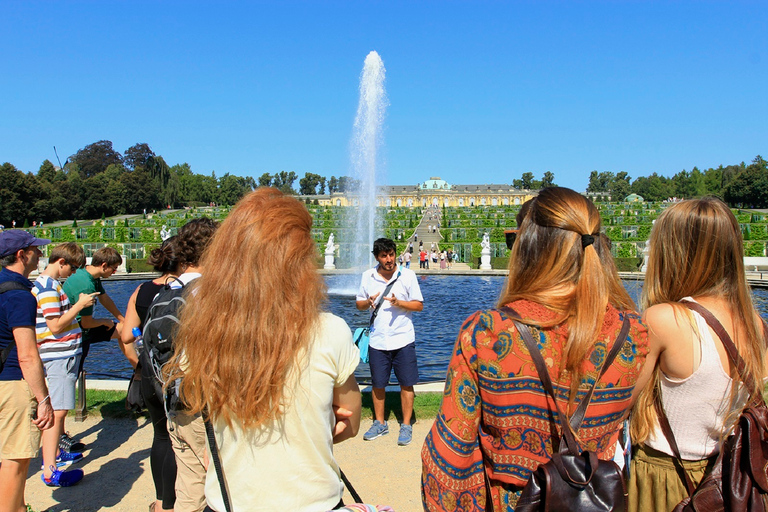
{"type": "Point", "coordinates": [25, 407]}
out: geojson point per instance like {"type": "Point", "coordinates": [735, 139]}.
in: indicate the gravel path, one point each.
{"type": "Point", "coordinates": [117, 474]}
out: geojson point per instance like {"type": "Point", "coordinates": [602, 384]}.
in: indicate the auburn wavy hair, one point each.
{"type": "Point", "coordinates": [549, 266]}
{"type": "Point", "coordinates": [251, 315]}
{"type": "Point", "coordinates": [696, 250]}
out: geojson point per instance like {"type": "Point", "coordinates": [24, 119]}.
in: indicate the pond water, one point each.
{"type": "Point", "coordinates": [448, 301]}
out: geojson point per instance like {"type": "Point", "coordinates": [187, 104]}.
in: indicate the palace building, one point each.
{"type": "Point", "coordinates": [434, 192]}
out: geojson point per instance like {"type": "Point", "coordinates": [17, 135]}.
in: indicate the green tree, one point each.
{"type": "Point", "coordinates": [548, 180]}
{"type": "Point", "coordinates": [17, 194]}
{"type": "Point", "coordinates": [750, 188]}
{"type": "Point", "coordinates": [713, 181]}
{"type": "Point", "coordinates": [95, 158]}
{"type": "Point", "coordinates": [653, 187]}
{"type": "Point", "coordinates": [284, 181]}
{"type": "Point", "coordinates": [265, 180]}
{"type": "Point", "coordinates": [525, 182]}
{"type": "Point", "coordinates": [309, 183]}
{"type": "Point", "coordinates": [600, 182]}
{"type": "Point", "coordinates": [138, 155]}
{"type": "Point", "coordinates": [333, 185]}
{"type": "Point", "coordinates": [47, 171]}
{"type": "Point", "coordinates": [620, 187]}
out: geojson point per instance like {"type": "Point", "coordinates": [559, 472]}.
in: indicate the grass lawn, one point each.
{"type": "Point", "coordinates": [111, 404]}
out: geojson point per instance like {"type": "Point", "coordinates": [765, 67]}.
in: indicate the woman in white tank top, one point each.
{"type": "Point", "coordinates": [696, 254]}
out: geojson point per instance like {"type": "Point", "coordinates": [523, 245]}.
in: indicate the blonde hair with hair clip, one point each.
{"type": "Point", "coordinates": [553, 265]}
{"type": "Point", "coordinates": [697, 251]}
{"type": "Point", "coordinates": [251, 316]}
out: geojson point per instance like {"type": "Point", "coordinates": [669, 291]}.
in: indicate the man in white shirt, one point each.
{"type": "Point", "coordinates": [392, 338]}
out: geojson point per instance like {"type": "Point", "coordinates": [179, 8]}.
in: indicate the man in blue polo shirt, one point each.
{"type": "Point", "coordinates": [25, 407]}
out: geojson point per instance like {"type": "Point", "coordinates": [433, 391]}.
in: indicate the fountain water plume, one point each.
{"type": "Point", "coordinates": [365, 156]}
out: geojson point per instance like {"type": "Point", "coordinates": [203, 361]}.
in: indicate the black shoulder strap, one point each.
{"type": "Point", "coordinates": [381, 299]}
{"type": "Point", "coordinates": [7, 286]}
{"type": "Point", "coordinates": [220, 470]}
{"type": "Point", "coordinates": [216, 461]}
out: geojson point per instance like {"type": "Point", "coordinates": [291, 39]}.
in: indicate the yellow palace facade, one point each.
{"type": "Point", "coordinates": [434, 192]}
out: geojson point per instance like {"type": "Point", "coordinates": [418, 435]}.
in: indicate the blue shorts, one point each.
{"type": "Point", "coordinates": [402, 360]}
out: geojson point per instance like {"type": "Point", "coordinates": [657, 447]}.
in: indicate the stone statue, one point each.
{"type": "Point", "coordinates": [165, 233]}
{"type": "Point", "coordinates": [330, 248]}
{"type": "Point", "coordinates": [485, 255]}
{"type": "Point", "coordinates": [486, 243]}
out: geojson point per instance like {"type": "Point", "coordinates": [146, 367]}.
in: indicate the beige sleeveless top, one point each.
{"type": "Point", "coordinates": [698, 405]}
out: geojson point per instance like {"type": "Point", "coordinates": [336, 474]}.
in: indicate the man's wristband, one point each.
{"type": "Point", "coordinates": [46, 399]}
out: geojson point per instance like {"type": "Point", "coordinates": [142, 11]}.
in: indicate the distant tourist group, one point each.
{"type": "Point", "coordinates": [562, 397]}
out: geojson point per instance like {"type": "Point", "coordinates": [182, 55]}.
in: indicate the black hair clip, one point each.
{"type": "Point", "coordinates": [510, 236]}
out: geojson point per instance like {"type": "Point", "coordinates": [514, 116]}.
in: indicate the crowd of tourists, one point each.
{"type": "Point", "coordinates": [565, 380]}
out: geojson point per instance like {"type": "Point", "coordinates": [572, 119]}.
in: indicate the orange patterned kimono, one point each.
{"type": "Point", "coordinates": [495, 407]}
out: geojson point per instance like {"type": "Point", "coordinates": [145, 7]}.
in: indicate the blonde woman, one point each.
{"type": "Point", "coordinates": [494, 426]}
{"type": "Point", "coordinates": [256, 350]}
{"type": "Point", "coordinates": [696, 254]}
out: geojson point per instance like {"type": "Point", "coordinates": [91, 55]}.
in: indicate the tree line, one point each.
{"type": "Point", "coordinates": [741, 186]}
{"type": "Point", "coordinates": [99, 181]}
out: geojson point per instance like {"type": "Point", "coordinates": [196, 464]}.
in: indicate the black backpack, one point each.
{"type": "Point", "coordinates": [161, 324]}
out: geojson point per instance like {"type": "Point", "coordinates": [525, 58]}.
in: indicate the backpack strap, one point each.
{"type": "Point", "coordinates": [216, 461]}
{"type": "Point", "coordinates": [735, 359]}
{"type": "Point", "coordinates": [578, 416]}
{"type": "Point", "coordinates": [728, 344]}
{"type": "Point", "coordinates": [567, 433]}
{"type": "Point", "coordinates": [7, 286]}
{"type": "Point", "coordinates": [375, 312]}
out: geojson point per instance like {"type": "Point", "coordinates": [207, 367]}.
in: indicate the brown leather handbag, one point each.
{"type": "Point", "coordinates": [573, 479]}
{"type": "Point", "coordinates": [739, 479]}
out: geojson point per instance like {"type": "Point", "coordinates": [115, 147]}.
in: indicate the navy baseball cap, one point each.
{"type": "Point", "coordinates": [12, 240]}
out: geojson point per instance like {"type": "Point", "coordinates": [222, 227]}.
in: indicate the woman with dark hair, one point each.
{"type": "Point", "coordinates": [496, 423]}
{"type": "Point", "coordinates": [696, 255]}
{"type": "Point", "coordinates": [163, 259]}
{"type": "Point", "coordinates": [256, 352]}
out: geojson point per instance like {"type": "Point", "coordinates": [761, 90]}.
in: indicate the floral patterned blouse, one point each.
{"type": "Point", "coordinates": [495, 407]}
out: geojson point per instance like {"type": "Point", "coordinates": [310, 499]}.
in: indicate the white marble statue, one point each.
{"type": "Point", "coordinates": [165, 233]}
{"type": "Point", "coordinates": [486, 243]}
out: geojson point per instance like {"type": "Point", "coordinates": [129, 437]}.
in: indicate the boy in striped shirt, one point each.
{"type": "Point", "coordinates": [59, 341]}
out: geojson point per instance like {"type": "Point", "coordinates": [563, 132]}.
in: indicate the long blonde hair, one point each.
{"type": "Point", "coordinates": [560, 260]}
{"type": "Point", "coordinates": [252, 311]}
{"type": "Point", "coordinates": [696, 250]}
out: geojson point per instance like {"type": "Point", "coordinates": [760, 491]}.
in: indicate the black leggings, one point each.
{"type": "Point", "coordinates": [161, 458]}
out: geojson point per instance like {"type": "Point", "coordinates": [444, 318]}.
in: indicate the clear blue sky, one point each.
{"type": "Point", "coordinates": [479, 92]}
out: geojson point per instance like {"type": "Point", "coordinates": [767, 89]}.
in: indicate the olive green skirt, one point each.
{"type": "Point", "coordinates": [655, 484]}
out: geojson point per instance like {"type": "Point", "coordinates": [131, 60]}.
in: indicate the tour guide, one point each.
{"type": "Point", "coordinates": [392, 339]}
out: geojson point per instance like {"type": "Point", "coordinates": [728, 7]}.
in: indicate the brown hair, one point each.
{"type": "Point", "coordinates": [106, 255]}
{"type": "Point", "coordinates": [696, 250]}
{"type": "Point", "coordinates": [561, 260]}
{"type": "Point", "coordinates": [193, 239]}
{"type": "Point", "coordinates": [72, 254]}
{"type": "Point", "coordinates": [165, 258]}
{"type": "Point", "coordinates": [247, 323]}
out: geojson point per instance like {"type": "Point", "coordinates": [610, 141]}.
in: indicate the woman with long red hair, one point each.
{"type": "Point", "coordinates": [256, 354]}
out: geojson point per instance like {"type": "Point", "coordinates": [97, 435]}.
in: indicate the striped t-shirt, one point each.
{"type": "Point", "coordinates": [52, 302]}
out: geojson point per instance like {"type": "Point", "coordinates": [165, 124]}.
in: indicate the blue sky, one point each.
{"type": "Point", "coordinates": [479, 92]}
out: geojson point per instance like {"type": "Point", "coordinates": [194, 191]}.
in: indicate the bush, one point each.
{"type": "Point", "coordinates": [628, 264]}
{"type": "Point", "coordinates": [138, 265]}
